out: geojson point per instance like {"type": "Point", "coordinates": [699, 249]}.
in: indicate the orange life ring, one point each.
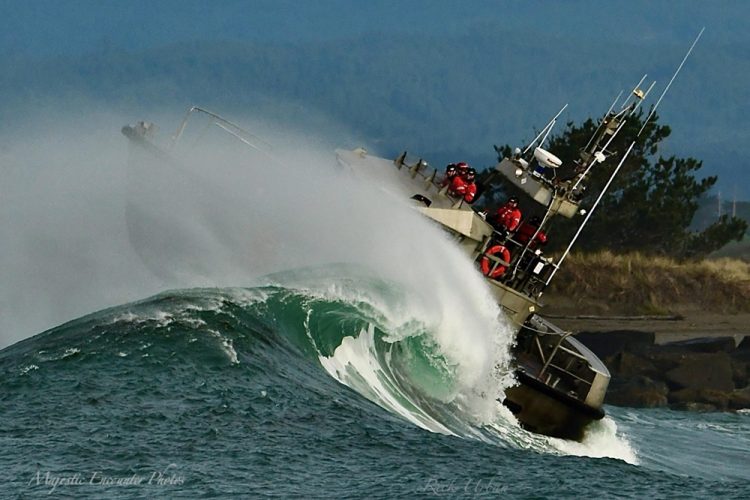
{"type": "Point", "coordinates": [485, 262]}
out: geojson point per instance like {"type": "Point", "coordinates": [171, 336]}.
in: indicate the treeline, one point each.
{"type": "Point", "coordinates": [649, 206]}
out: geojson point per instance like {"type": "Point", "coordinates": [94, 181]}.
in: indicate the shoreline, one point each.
{"type": "Point", "coordinates": [692, 361]}
{"type": "Point", "coordinates": [685, 326]}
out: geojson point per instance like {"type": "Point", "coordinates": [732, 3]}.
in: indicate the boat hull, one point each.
{"type": "Point", "coordinates": [544, 410]}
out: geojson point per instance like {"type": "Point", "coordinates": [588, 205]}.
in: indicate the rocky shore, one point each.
{"type": "Point", "coordinates": [706, 374]}
{"type": "Point", "coordinates": [672, 334]}
{"type": "Point", "coordinates": [699, 362]}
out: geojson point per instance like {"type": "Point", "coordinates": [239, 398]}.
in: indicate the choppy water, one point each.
{"type": "Point", "coordinates": [313, 390]}
{"type": "Point", "coordinates": [374, 379]}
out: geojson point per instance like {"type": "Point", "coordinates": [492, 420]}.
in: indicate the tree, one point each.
{"type": "Point", "coordinates": [650, 204]}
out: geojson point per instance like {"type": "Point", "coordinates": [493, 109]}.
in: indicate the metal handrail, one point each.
{"type": "Point", "coordinates": [552, 355]}
{"type": "Point", "coordinates": [231, 128]}
{"type": "Point", "coordinates": [571, 374]}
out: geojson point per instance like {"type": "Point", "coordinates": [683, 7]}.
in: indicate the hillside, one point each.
{"type": "Point", "coordinates": [711, 207]}
{"type": "Point", "coordinates": [444, 84]}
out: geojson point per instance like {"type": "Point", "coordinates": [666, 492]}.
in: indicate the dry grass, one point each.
{"type": "Point", "coordinates": [639, 284]}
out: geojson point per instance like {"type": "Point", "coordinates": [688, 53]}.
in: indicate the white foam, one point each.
{"type": "Point", "coordinates": [162, 318]}
{"type": "Point", "coordinates": [229, 350]}
{"type": "Point", "coordinates": [226, 346]}
{"type": "Point", "coordinates": [601, 440]}
{"type": "Point", "coordinates": [28, 368]}
{"type": "Point", "coordinates": [355, 364]}
{"type": "Point", "coordinates": [71, 351]}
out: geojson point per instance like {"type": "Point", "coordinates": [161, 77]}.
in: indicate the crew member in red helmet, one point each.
{"type": "Point", "coordinates": [458, 185]}
{"type": "Point", "coordinates": [508, 217]}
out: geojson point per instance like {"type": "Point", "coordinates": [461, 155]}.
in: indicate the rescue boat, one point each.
{"type": "Point", "coordinates": [561, 384]}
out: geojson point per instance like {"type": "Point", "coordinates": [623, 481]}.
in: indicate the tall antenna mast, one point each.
{"type": "Point", "coordinates": [545, 131]}
{"type": "Point", "coordinates": [690, 50]}
{"type": "Point", "coordinates": [622, 161]}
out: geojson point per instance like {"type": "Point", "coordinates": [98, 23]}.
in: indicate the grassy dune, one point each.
{"type": "Point", "coordinates": [605, 283]}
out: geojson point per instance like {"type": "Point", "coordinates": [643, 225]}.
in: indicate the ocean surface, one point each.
{"type": "Point", "coordinates": [317, 384]}
{"type": "Point", "coordinates": [310, 337]}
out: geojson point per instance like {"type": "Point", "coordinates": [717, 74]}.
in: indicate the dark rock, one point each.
{"type": "Point", "coordinates": [638, 392]}
{"type": "Point", "coordinates": [741, 355]}
{"type": "Point", "coordinates": [702, 374]}
{"type": "Point", "coordinates": [703, 371]}
{"type": "Point", "coordinates": [665, 359]}
{"type": "Point", "coordinates": [739, 373]}
{"type": "Point", "coordinates": [689, 398]}
{"type": "Point", "coordinates": [739, 399]}
{"type": "Point", "coordinates": [606, 344]}
{"type": "Point", "coordinates": [704, 344]}
{"type": "Point", "coordinates": [625, 364]}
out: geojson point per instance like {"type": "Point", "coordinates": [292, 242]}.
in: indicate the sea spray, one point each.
{"type": "Point", "coordinates": [600, 440]}
{"type": "Point", "coordinates": [217, 215]}
{"type": "Point", "coordinates": [320, 216]}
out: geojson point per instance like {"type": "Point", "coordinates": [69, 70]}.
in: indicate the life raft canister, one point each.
{"type": "Point", "coordinates": [498, 251]}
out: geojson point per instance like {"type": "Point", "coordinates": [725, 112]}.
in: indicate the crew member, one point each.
{"type": "Point", "coordinates": [508, 217]}
{"type": "Point", "coordinates": [450, 173]}
{"type": "Point", "coordinates": [527, 230]}
{"type": "Point", "coordinates": [471, 187]}
{"type": "Point", "coordinates": [463, 168]}
{"type": "Point", "coordinates": [459, 184]}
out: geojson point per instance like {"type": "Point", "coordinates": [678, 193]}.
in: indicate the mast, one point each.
{"type": "Point", "coordinates": [599, 156]}
{"type": "Point", "coordinates": [545, 131]}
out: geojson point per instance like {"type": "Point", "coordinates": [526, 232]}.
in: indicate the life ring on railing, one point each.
{"type": "Point", "coordinates": [498, 251]}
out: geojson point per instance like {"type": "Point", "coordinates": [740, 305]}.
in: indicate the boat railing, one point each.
{"type": "Point", "coordinates": [422, 169]}
{"type": "Point", "coordinates": [245, 137]}
{"type": "Point", "coordinates": [233, 129]}
{"type": "Point", "coordinates": [551, 361]}
{"type": "Point", "coordinates": [529, 267]}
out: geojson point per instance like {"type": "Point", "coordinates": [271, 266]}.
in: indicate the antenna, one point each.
{"type": "Point", "coordinates": [626, 112]}
{"type": "Point", "coordinates": [633, 93]}
{"type": "Point", "coordinates": [611, 107]}
{"type": "Point", "coordinates": [622, 161]}
{"type": "Point", "coordinates": [653, 110]}
{"type": "Point", "coordinates": [640, 96]}
{"type": "Point", "coordinates": [545, 130]}
{"type": "Point", "coordinates": [588, 215]}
